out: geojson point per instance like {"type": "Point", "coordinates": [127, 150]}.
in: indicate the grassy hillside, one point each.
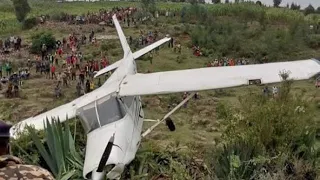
{"type": "Point", "coordinates": [208, 135]}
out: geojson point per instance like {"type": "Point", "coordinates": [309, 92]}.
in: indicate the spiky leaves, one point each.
{"type": "Point", "coordinates": [60, 154]}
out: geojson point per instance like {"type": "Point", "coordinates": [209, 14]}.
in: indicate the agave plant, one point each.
{"type": "Point", "coordinates": [60, 154]}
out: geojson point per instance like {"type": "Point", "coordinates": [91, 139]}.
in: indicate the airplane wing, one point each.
{"type": "Point", "coordinates": [215, 77]}
{"type": "Point", "coordinates": [136, 55]}
{"type": "Point", "coordinates": [63, 112]}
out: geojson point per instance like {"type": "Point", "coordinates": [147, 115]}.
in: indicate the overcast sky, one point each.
{"type": "Point", "coordinates": [303, 3]}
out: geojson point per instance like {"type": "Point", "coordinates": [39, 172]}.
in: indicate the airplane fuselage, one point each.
{"type": "Point", "coordinates": [121, 117]}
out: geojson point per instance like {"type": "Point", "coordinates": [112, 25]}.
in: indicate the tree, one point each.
{"type": "Point", "coordinates": [259, 3]}
{"type": "Point", "coordinates": [236, 1]}
{"type": "Point", "coordinates": [295, 6]}
{"type": "Point", "coordinates": [227, 2]}
{"type": "Point", "coordinates": [42, 38]}
{"type": "Point", "coordinates": [216, 1]}
{"type": "Point", "coordinates": [21, 8]}
{"type": "Point", "coordinates": [309, 10]}
{"type": "Point", "coordinates": [318, 10]}
{"type": "Point", "coordinates": [276, 3]}
{"type": "Point", "coordinates": [149, 6]}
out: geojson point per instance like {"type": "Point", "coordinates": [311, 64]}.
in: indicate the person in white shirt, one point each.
{"type": "Point", "coordinates": [275, 91]}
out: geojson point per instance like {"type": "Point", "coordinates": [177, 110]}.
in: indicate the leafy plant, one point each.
{"type": "Point", "coordinates": [267, 135]}
{"type": "Point", "coordinates": [59, 151]}
{"type": "Point", "coordinates": [42, 38]}
{"type": "Point", "coordinates": [29, 23]}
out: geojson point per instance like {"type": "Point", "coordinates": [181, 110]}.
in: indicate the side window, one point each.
{"type": "Point", "coordinates": [109, 110]}
{"type": "Point", "coordinates": [128, 100]}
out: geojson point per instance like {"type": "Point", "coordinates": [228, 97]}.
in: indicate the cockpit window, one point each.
{"type": "Point", "coordinates": [108, 109]}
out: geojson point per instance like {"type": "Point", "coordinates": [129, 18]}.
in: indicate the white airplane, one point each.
{"type": "Point", "coordinates": [112, 115]}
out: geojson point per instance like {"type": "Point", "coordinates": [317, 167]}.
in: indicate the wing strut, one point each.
{"type": "Point", "coordinates": [167, 115]}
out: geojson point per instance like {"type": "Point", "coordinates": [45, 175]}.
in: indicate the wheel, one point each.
{"type": "Point", "coordinates": [170, 124]}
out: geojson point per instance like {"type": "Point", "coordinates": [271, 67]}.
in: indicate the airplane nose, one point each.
{"type": "Point", "coordinates": [102, 149]}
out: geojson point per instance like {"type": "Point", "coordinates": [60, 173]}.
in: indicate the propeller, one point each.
{"type": "Point", "coordinates": [106, 154]}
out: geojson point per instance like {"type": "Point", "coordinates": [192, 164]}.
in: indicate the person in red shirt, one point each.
{"type": "Point", "coordinates": [96, 66]}
{"type": "Point", "coordinates": [53, 72]}
{"type": "Point", "coordinates": [103, 62]}
{"type": "Point", "coordinates": [59, 52]}
{"type": "Point", "coordinates": [73, 59]}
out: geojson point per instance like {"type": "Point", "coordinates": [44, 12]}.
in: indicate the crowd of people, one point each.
{"type": "Point", "coordinates": [66, 64]}
{"type": "Point", "coordinates": [228, 62]}
{"type": "Point", "coordinates": [13, 80]}
{"type": "Point", "coordinates": [123, 14]}
{"type": "Point", "coordinates": [10, 43]}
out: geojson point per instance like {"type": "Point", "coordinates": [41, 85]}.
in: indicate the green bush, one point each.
{"type": "Point", "coordinates": [96, 53]}
{"type": "Point", "coordinates": [88, 57]}
{"type": "Point", "coordinates": [107, 45]}
{"type": "Point", "coordinates": [29, 23]}
{"type": "Point", "coordinates": [25, 149]}
{"type": "Point", "coordinates": [59, 150]}
{"type": "Point", "coordinates": [313, 41]}
{"type": "Point", "coordinates": [42, 38]}
{"type": "Point", "coordinates": [59, 16]}
{"type": "Point", "coordinates": [267, 135]}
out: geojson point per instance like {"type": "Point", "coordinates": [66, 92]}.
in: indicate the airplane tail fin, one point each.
{"type": "Point", "coordinates": [122, 37]}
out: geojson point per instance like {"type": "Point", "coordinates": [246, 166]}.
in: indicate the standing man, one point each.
{"type": "Point", "coordinates": [53, 71]}
{"type": "Point", "coordinates": [43, 51]}
{"type": "Point", "coordinates": [13, 167]}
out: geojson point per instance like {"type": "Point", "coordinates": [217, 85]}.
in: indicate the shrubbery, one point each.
{"type": "Point", "coordinates": [268, 137]}
{"type": "Point", "coordinates": [42, 38]}
{"type": "Point", "coordinates": [240, 30]}
{"type": "Point", "coordinates": [29, 23]}
{"type": "Point", "coordinates": [59, 16]}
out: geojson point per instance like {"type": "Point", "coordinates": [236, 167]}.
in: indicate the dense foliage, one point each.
{"type": "Point", "coordinates": [21, 9]}
{"type": "Point", "coordinates": [42, 38]}
{"type": "Point", "coordinates": [268, 138]}
{"type": "Point", "coordinates": [250, 31]}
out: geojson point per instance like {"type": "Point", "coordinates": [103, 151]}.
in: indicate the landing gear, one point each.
{"type": "Point", "coordinates": [170, 124]}
{"type": "Point", "coordinates": [166, 118]}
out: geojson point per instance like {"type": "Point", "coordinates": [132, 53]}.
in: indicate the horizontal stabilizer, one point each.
{"type": "Point", "coordinates": [215, 77]}
{"type": "Point", "coordinates": [149, 48]}
{"type": "Point", "coordinates": [136, 55]}
{"type": "Point", "coordinates": [108, 68]}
